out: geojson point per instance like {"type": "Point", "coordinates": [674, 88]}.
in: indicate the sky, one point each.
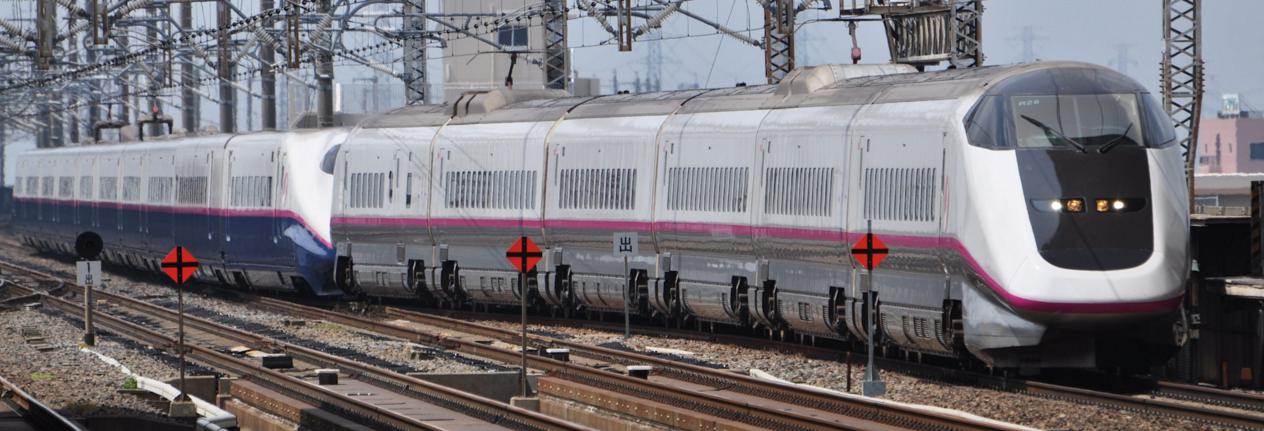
{"type": "Point", "coordinates": [1093, 31]}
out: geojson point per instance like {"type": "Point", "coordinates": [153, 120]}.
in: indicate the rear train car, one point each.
{"type": "Point", "coordinates": [252, 208]}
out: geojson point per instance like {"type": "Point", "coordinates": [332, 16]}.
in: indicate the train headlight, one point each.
{"type": "Point", "coordinates": [1055, 205]}
{"type": "Point", "coordinates": [1074, 205]}
{"type": "Point", "coordinates": [1119, 205]}
{"type": "Point", "coordinates": [1103, 205]}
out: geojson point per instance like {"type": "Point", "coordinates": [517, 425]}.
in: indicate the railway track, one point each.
{"type": "Point", "coordinates": [31, 411]}
{"type": "Point", "coordinates": [812, 404]}
{"type": "Point", "coordinates": [1188, 395]}
{"type": "Point", "coordinates": [388, 412]}
{"type": "Point", "coordinates": [854, 414]}
{"type": "Point", "coordinates": [1251, 406]}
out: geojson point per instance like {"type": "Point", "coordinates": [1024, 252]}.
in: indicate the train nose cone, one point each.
{"type": "Point", "coordinates": [1083, 234]}
{"type": "Point", "coordinates": [1040, 287]}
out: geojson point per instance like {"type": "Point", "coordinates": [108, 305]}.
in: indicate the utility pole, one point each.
{"type": "Point", "coordinates": [250, 104]}
{"type": "Point", "coordinates": [124, 114]}
{"type": "Point", "coordinates": [1122, 58]}
{"type": "Point", "coordinates": [267, 53]}
{"type": "Point", "coordinates": [94, 98]}
{"type": "Point", "coordinates": [189, 76]}
{"type": "Point", "coordinates": [1183, 76]}
{"type": "Point", "coordinates": [416, 80]}
{"type": "Point", "coordinates": [73, 57]}
{"type": "Point", "coordinates": [45, 32]}
{"type": "Point", "coordinates": [156, 76]}
{"type": "Point", "coordinates": [654, 66]}
{"type": "Point", "coordinates": [1029, 44]}
{"type": "Point", "coordinates": [556, 58]}
{"type": "Point", "coordinates": [44, 137]}
{"type": "Point", "coordinates": [227, 94]}
{"type": "Point", "coordinates": [2, 151]}
{"type": "Point", "coordinates": [324, 70]}
{"type": "Point", "coordinates": [1182, 82]}
{"type": "Point", "coordinates": [779, 18]}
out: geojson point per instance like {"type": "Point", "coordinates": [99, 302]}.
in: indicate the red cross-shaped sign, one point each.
{"type": "Point", "coordinates": [869, 251]}
{"type": "Point", "coordinates": [523, 254]}
{"type": "Point", "coordinates": [179, 265]}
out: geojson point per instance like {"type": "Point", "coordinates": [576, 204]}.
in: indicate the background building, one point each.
{"type": "Point", "coordinates": [472, 64]}
{"type": "Point", "coordinates": [1233, 142]}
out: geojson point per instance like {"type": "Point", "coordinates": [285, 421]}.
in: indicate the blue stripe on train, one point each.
{"type": "Point", "coordinates": [238, 242]}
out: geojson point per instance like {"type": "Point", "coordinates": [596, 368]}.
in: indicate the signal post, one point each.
{"type": "Point", "coordinates": [523, 255]}
{"type": "Point", "coordinates": [180, 265]}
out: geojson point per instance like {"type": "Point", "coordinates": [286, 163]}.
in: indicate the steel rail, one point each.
{"type": "Point", "coordinates": [34, 411]}
{"type": "Point", "coordinates": [1239, 400]}
{"type": "Point", "coordinates": [1160, 407]}
{"type": "Point", "coordinates": [473, 405]}
{"type": "Point", "coordinates": [870, 413]}
{"type": "Point", "coordinates": [271, 379]}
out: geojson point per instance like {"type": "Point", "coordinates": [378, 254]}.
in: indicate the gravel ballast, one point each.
{"type": "Point", "coordinates": [68, 379]}
{"type": "Point", "coordinates": [998, 405]}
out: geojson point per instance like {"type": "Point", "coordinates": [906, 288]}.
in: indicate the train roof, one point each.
{"type": "Point", "coordinates": [824, 85]}
{"type": "Point", "coordinates": [170, 142]}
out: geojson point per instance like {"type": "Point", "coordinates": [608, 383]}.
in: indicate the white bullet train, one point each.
{"type": "Point", "coordinates": [253, 208]}
{"type": "Point", "coordinates": [1035, 214]}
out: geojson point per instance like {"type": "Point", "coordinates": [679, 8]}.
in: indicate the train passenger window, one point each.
{"type": "Point", "coordinates": [85, 187]}
{"type": "Point", "coordinates": [190, 190]}
{"type": "Point", "coordinates": [349, 190]}
{"type": "Point", "coordinates": [498, 189]}
{"type": "Point", "coordinates": [357, 190]}
{"type": "Point", "coordinates": [889, 194]}
{"type": "Point", "coordinates": [66, 187]}
{"type": "Point", "coordinates": [131, 189]}
{"type": "Point", "coordinates": [408, 190]}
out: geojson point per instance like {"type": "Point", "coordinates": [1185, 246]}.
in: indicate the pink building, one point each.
{"type": "Point", "coordinates": [1231, 145]}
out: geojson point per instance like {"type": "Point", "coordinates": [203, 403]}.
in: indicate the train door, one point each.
{"type": "Point", "coordinates": [208, 174]}
{"type": "Point", "coordinates": [79, 207]}
{"type": "Point", "coordinates": [229, 195]}
{"type": "Point", "coordinates": [276, 188]}
{"type": "Point", "coordinates": [90, 195]}
{"type": "Point", "coordinates": [141, 198]}
{"type": "Point", "coordinates": [856, 218]}
{"type": "Point", "coordinates": [96, 194]}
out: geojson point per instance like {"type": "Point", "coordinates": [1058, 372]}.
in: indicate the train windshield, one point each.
{"type": "Point", "coordinates": [1077, 121]}
{"type": "Point", "coordinates": [1079, 109]}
